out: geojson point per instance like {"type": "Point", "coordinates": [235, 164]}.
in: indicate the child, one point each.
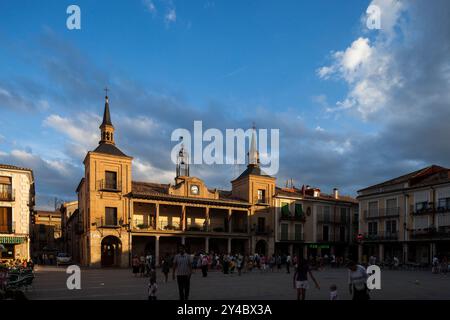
{"type": "Point", "coordinates": [152, 289]}
{"type": "Point", "coordinates": [333, 292]}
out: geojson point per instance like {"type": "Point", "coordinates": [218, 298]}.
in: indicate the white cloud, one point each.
{"type": "Point", "coordinates": [145, 171]}
{"type": "Point", "coordinates": [171, 16]}
{"type": "Point", "coordinates": [149, 5]}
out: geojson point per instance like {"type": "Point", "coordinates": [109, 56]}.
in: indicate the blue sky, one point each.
{"type": "Point", "coordinates": [349, 109]}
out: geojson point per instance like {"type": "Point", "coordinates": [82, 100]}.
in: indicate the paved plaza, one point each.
{"type": "Point", "coordinates": [50, 283]}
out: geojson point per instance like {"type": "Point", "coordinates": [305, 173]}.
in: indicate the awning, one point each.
{"type": "Point", "coordinates": [12, 240]}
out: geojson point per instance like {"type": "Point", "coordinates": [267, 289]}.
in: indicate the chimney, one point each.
{"type": "Point", "coordinates": [336, 193]}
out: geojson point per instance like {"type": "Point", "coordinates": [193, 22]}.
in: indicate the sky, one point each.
{"type": "Point", "coordinates": [355, 106]}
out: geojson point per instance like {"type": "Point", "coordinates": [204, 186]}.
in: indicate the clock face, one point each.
{"type": "Point", "coordinates": [194, 189]}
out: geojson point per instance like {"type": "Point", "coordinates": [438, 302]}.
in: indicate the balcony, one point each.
{"type": "Point", "coordinates": [442, 233]}
{"type": "Point", "coordinates": [196, 227]}
{"type": "Point", "coordinates": [428, 209]}
{"type": "Point", "coordinates": [381, 236]}
{"type": "Point", "coordinates": [139, 225]}
{"type": "Point", "coordinates": [291, 236]}
{"type": "Point", "coordinates": [8, 228]}
{"type": "Point", "coordinates": [292, 217]}
{"type": "Point", "coordinates": [262, 231]}
{"type": "Point", "coordinates": [332, 237]}
{"type": "Point", "coordinates": [169, 226]}
{"type": "Point", "coordinates": [382, 213]}
{"type": "Point", "coordinates": [239, 229]}
{"type": "Point", "coordinates": [108, 186]}
{"type": "Point", "coordinates": [7, 194]}
{"type": "Point", "coordinates": [103, 223]}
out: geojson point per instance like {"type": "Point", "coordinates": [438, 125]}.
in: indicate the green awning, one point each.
{"type": "Point", "coordinates": [12, 240]}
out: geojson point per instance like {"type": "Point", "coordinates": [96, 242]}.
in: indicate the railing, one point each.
{"type": "Point", "coordinates": [169, 226]}
{"type": "Point", "coordinates": [262, 231]}
{"type": "Point", "coordinates": [332, 237]}
{"type": "Point", "coordinates": [139, 225]}
{"type": "Point", "coordinates": [431, 233]}
{"type": "Point", "coordinates": [291, 236]}
{"type": "Point", "coordinates": [197, 227]}
{"type": "Point", "coordinates": [381, 236]}
{"type": "Point", "coordinates": [8, 228]}
{"type": "Point", "coordinates": [7, 194]}
{"type": "Point", "coordinates": [239, 229]}
{"type": "Point", "coordinates": [218, 228]}
{"type": "Point", "coordinates": [109, 186]}
{"type": "Point", "coordinates": [382, 213]}
{"type": "Point", "coordinates": [292, 217]}
{"type": "Point", "coordinates": [430, 208]}
{"type": "Point", "coordinates": [263, 201]}
{"type": "Point", "coordinates": [102, 223]}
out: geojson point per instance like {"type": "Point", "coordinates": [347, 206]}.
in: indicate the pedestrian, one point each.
{"type": "Point", "coordinates": [239, 263]}
{"type": "Point", "coordinates": [278, 263]}
{"type": "Point", "coordinates": [142, 265]}
{"type": "Point", "coordinates": [333, 292]}
{"type": "Point", "coordinates": [435, 263]}
{"type": "Point", "coordinates": [288, 263]}
{"type": "Point", "coordinates": [301, 278]}
{"type": "Point", "coordinates": [204, 265]}
{"type": "Point", "coordinates": [135, 265]}
{"type": "Point", "coordinates": [357, 281]}
{"type": "Point", "coordinates": [152, 288]}
{"type": "Point", "coordinates": [225, 264]}
{"type": "Point", "coordinates": [182, 267]}
{"type": "Point", "coordinates": [165, 267]}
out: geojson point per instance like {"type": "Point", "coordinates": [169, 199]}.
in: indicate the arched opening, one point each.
{"type": "Point", "coordinates": [111, 251]}
{"type": "Point", "coordinates": [261, 247]}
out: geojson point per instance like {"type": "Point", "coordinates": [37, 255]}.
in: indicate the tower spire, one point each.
{"type": "Point", "coordinates": [253, 155]}
{"type": "Point", "coordinates": [106, 128]}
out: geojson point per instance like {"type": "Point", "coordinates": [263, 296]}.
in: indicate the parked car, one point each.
{"type": "Point", "coordinates": [63, 258]}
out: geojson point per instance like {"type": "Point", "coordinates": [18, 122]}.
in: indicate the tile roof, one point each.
{"type": "Point", "coordinates": [294, 192]}
{"type": "Point", "coordinates": [7, 166]}
{"type": "Point", "coordinates": [253, 170]}
{"type": "Point", "coordinates": [110, 149]}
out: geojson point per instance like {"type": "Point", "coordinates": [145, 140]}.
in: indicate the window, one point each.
{"type": "Point", "coordinates": [5, 188]}
{"type": "Point", "coordinates": [391, 206]}
{"type": "Point", "coordinates": [342, 234]}
{"type": "Point", "coordinates": [444, 204]}
{"type": "Point", "coordinates": [298, 232]}
{"type": "Point", "coordinates": [261, 224]}
{"type": "Point", "coordinates": [111, 180]}
{"type": "Point", "coordinates": [373, 228]}
{"type": "Point", "coordinates": [110, 216]}
{"type": "Point", "coordinates": [391, 226]}
{"type": "Point", "coordinates": [343, 215]}
{"type": "Point", "coordinates": [5, 220]}
{"type": "Point", "coordinates": [298, 210]}
{"type": "Point", "coordinates": [421, 200]}
{"type": "Point", "coordinates": [284, 231]}
{"type": "Point", "coordinates": [285, 209]}
{"type": "Point", "coordinates": [325, 234]}
{"type": "Point", "coordinates": [326, 214]}
{"type": "Point", "coordinates": [261, 196]}
{"type": "Point", "coordinates": [373, 208]}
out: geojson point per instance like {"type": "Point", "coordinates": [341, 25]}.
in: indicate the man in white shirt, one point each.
{"type": "Point", "coordinates": [357, 281]}
{"type": "Point", "coordinates": [182, 266]}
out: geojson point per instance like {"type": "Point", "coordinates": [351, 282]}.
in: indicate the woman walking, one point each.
{"type": "Point", "coordinates": [357, 281]}
{"type": "Point", "coordinates": [301, 278]}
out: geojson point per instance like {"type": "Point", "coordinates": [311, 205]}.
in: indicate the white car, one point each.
{"type": "Point", "coordinates": [63, 258]}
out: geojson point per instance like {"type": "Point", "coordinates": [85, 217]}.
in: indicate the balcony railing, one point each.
{"type": "Point", "coordinates": [197, 227]}
{"type": "Point", "coordinates": [263, 231]}
{"type": "Point", "coordinates": [218, 228]}
{"type": "Point", "coordinates": [428, 209]}
{"type": "Point", "coordinates": [332, 237]}
{"type": "Point", "coordinates": [382, 213]}
{"type": "Point", "coordinates": [102, 223]}
{"type": "Point", "coordinates": [109, 186]}
{"type": "Point", "coordinates": [7, 194]}
{"type": "Point", "coordinates": [332, 220]}
{"type": "Point", "coordinates": [8, 228]}
{"type": "Point", "coordinates": [431, 233]}
{"type": "Point", "coordinates": [292, 217]}
{"type": "Point", "coordinates": [291, 236]}
{"type": "Point", "coordinates": [239, 229]}
{"type": "Point", "coordinates": [381, 236]}
{"type": "Point", "coordinates": [142, 226]}
{"type": "Point", "coordinates": [169, 226]}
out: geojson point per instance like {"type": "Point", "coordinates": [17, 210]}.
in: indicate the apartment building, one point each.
{"type": "Point", "coordinates": [17, 199]}
{"type": "Point", "coordinates": [45, 233]}
{"type": "Point", "coordinates": [313, 223]}
{"type": "Point", "coordinates": [407, 217]}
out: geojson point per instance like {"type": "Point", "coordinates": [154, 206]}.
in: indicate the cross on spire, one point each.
{"type": "Point", "coordinates": [106, 91]}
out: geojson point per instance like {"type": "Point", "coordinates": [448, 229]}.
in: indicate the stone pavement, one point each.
{"type": "Point", "coordinates": [50, 283]}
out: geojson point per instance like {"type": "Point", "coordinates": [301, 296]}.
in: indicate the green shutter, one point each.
{"type": "Point", "coordinates": [298, 210]}
{"type": "Point", "coordinates": [285, 209]}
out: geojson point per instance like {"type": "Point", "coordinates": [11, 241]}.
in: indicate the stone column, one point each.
{"type": "Point", "coordinates": [229, 245]}
{"type": "Point", "coordinates": [405, 253]}
{"type": "Point", "coordinates": [305, 251]}
{"type": "Point", "coordinates": [360, 253]}
{"type": "Point", "coordinates": [206, 244]}
{"type": "Point", "coordinates": [157, 251]}
{"type": "Point", "coordinates": [183, 218]}
{"type": "Point", "coordinates": [381, 252]}
{"type": "Point", "coordinates": [207, 219]}
{"type": "Point", "coordinates": [291, 250]}
{"type": "Point", "coordinates": [229, 220]}
{"type": "Point", "coordinates": [157, 226]}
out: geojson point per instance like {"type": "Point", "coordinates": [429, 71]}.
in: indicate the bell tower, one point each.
{"type": "Point", "coordinates": [106, 128]}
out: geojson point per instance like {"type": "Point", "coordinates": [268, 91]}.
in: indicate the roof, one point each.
{"type": "Point", "coordinates": [106, 114]}
{"type": "Point", "coordinates": [150, 189]}
{"type": "Point", "coordinates": [294, 192]}
{"type": "Point", "coordinates": [254, 170]}
{"type": "Point", "coordinates": [10, 167]}
{"type": "Point", "coordinates": [110, 149]}
{"type": "Point", "coordinates": [418, 177]}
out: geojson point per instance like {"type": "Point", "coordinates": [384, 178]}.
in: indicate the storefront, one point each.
{"type": "Point", "coordinates": [14, 247]}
